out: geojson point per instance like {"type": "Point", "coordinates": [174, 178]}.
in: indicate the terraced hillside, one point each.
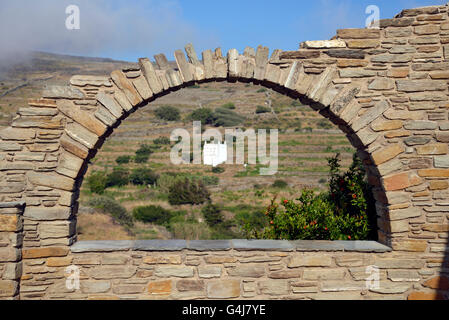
{"type": "Point", "coordinates": [240, 191]}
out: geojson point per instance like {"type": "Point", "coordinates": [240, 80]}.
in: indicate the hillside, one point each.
{"type": "Point", "coordinates": [241, 192]}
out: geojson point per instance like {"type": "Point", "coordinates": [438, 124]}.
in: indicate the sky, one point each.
{"type": "Point", "coordinates": [130, 29]}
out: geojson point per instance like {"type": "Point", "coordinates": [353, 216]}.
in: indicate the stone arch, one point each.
{"type": "Point", "coordinates": [133, 88]}
{"type": "Point", "coordinates": [386, 88]}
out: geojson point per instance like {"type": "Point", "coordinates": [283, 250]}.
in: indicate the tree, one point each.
{"type": "Point", "coordinates": [168, 113]}
{"type": "Point", "coordinates": [143, 176]}
{"type": "Point", "coordinates": [205, 115]}
{"type": "Point", "coordinates": [212, 214]}
{"type": "Point", "coordinates": [188, 191]}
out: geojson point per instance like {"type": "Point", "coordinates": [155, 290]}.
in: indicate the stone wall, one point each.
{"type": "Point", "coordinates": [386, 89]}
{"type": "Point", "coordinates": [11, 233]}
{"type": "Point", "coordinates": [237, 269]}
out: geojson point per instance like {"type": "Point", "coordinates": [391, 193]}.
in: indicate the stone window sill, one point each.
{"type": "Point", "coordinates": [225, 245]}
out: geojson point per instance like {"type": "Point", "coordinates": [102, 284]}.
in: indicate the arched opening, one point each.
{"type": "Point", "coordinates": [240, 192]}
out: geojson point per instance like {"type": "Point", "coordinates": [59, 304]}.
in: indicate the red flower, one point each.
{"type": "Point", "coordinates": [326, 229]}
{"type": "Point", "coordinates": [349, 237]}
{"type": "Point", "coordinates": [285, 201]}
{"type": "Point", "coordinates": [354, 196]}
{"type": "Point", "coordinates": [271, 222]}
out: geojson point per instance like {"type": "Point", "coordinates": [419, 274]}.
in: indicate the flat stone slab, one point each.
{"type": "Point", "coordinates": [160, 245]}
{"type": "Point", "coordinates": [265, 245]}
{"type": "Point", "coordinates": [209, 245]}
{"type": "Point", "coordinates": [317, 245]}
{"type": "Point", "coordinates": [363, 246]}
{"type": "Point", "coordinates": [224, 245]}
{"type": "Point", "coordinates": [102, 246]}
{"type": "Point", "coordinates": [18, 204]}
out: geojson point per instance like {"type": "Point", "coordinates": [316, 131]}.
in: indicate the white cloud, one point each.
{"type": "Point", "coordinates": [107, 28]}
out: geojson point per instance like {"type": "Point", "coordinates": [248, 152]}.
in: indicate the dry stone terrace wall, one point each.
{"type": "Point", "coordinates": [386, 88]}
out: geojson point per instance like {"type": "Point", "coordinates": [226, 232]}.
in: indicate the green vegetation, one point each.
{"type": "Point", "coordinates": [162, 141]}
{"type": "Point", "coordinates": [143, 153]}
{"type": "Point", "coordinates": [113, 208]}
{"type": "Point", "coordinates": [262, 109]}
{"type": "Point", "coordinates": [205, 115]}
{"type": "Point", "coordinates": [123, 160]}
{"type": "Point", "coordinates": [97, 182]}
{"type": "Point", "coordinates": [188, 191]}
{"type": "Point", "coordinates": [118, 178]}
{"type": "Point", "coordinates": [168, 113]}
{"type": "Point", "coordinates": [227, 118]}
{"type": "Point", "coordinates": [229, 106]}
{"type": "Point", "coordinates": [218, 170]}
{"type": "Point", "coordinates": [345, 212]}
{"type": "Point", "coordinates": [143, 176]}
{"type": "Point", "coordinates": [281, 184]}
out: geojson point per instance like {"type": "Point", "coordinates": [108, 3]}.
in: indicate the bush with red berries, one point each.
{"type": "Point", "coordinates": [345, 212]}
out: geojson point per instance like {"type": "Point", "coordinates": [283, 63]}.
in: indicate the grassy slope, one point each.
{"type": "Point", "coordinates": [302, 155]}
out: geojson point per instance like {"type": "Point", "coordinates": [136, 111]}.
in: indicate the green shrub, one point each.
{"type": "Point", "coordinates": [168, 113]}
{"type": "Point", "coordinates": [162, 141]}
{"type": "Point", "coordinates": [191, 231]}
{"type": "Point", "coordinates": [227, 118]}
{"type": "Point", "coordinates": [262, 109]}
{"type": "Point", "coordinates": [205, 115]}
{"type": "Point", "coordinates": [249, 219]}
{"type": "Point", "coordinates": [210, 180]}
{"type": "Point", "coordinates": [118, 178]}
{"type": "Point", "coordinates": [188, 191]}
{"type": "Point", "coordinates": [218, 170]}
{"type": "Point", "coordinates": [123, 159]}
{"type": "Point", "coordinates": [144, 149]}
{"type": "Point", "coordinates": [152, 214]}
{"type": "Point", "coordinates": [141, 158]}
{"type": "Point", "coordinates": [229, 106]}
{"type": "Point", "coordinates": [166, 180]}
{"type": "Point", "coordinates": [143, 176]}
{"type": "Point", "coordinates": [346, 212]}
{"type": "Point", "coordinates": [143, 153]}
{"type": "Point", "coordinates": [261, 90]}
{"type": "Point", "coordinates": [113, 208]}
{"type": "Point", "coordinates": [97, 182]}
{"type": "Point", "coordinates": [324, 124]}
{"type": "Point", "coordinates": [212, 214]}
{"type": "Point", "coordinates": [281, 184]}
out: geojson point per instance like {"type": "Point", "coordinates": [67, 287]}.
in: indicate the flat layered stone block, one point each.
{"type": "Point", "coordinates": [323, 44]}
{"type": "Point", "coordinates": [317, 245]}
{"type": "Point", "coordinates": [87, 80]}
{"type": "Point", "coordinates": [159, 245]}
{"type": "Point", "coordinates": [102, 246]}
{"type": "Point", "coordinates": [363, 246]}
{"type": "Point", "coordinates": [37, 253]}
{"type": "Point", "coordinates": [52, 180]}
{"type": "Point", "coordinates": [223, 289]}
{"type": "Point", "coordinates": [47, 214]}
{"type": "Point", "coordinates": [209, 245]}
{"type": "Point", "coordinates": [358, 33]}
{"type": "Point", "coordinates": [62, 92]}
{"type": "Point", "coordinates": [263, 245]}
